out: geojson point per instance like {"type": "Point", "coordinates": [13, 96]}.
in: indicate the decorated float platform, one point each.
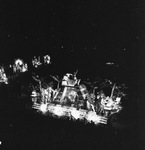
{"type": "Point", "coordinates": [59, 111]}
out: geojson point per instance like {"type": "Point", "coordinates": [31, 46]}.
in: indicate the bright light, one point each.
{"type": "Point", "coordinates": [43, 108]}
{"type": "Point", "coordinates": [80, 114]}
{"type": "Point", "coordinates": [59, 111]}
{"type": "Point", "coordinates": [92, 117]}
{"type": "Point", "coordinates": [75, 113]}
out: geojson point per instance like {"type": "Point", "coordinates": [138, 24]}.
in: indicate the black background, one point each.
{"type": "Point", "coordinates": [80, 35]}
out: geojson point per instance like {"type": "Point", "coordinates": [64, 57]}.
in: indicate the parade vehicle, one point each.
{"type": "Point", "coordinates": [70, 97]}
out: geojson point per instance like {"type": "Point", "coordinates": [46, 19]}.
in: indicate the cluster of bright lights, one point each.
{"type": "Point", "coordinates": [20, 66]}
{"type": "Point", "coordinates": [76, 102]}
{"type": "Point", "coordinates": [37, 61]}
{"type": "Point", "coordinates": [70, 112]}
{"type": "Point", "coordinates": [108, 105]}
{"type": "Point", "coordinates": [43, 108]}
{"type": "Point", "coordinates": [3, 77]}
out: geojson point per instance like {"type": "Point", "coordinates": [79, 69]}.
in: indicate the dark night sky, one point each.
{"type": "Point", "coordinates": [41, 24]}
{"type": "Point", "coordinates": [88, 30]}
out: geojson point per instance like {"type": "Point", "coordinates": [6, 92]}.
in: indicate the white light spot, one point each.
{"type": "Point", "coordinates": [0, 142]}
{"type": "Point", "coordinates": [62, 46]}
{"type": "Point", "coordinates": [137, 37]}
{"type": "Point", "coordinates": [124, 49]}
{"type": "Point", "coordinates": [9, 35]}
{"type": "Point", "coordinates": [109, 63]}
{"type": "Point", "coordinates": [43, 107]}
{"type": "Point", "coordinates": [75, 113]}
{"type": "Point", "coordinates": [59, 111]}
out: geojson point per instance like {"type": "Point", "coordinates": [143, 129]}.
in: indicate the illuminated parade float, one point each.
{"type": "Point", "coordinates": [70, 98]}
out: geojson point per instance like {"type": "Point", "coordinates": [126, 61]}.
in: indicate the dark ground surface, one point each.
{"type": "Point", "coordinates": [23, 129]}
